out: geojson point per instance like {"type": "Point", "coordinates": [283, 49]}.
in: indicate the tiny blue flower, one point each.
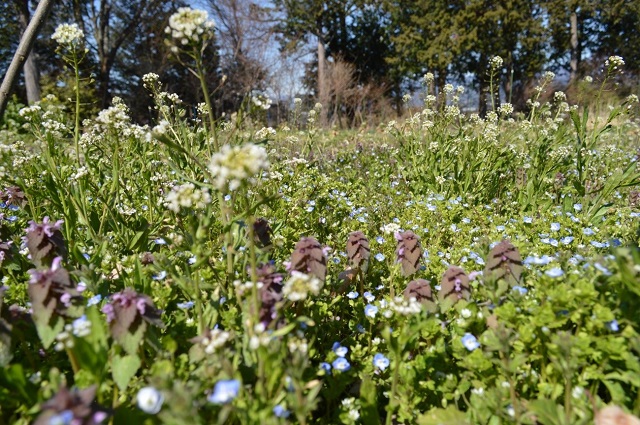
{"type": "Point", "coordinates": [63, 418]}
{"type": "Point", "coordinates": [379, 239]}
{"type": "Point", "coordinates": [521, 289]}
{"type": "Point", "coordinates": [227, 197]}
{"type": "Point", "coordinates": [554, 272]}
{"type": "Point", "coordinates": [368, 296]}
{"type": "Point", "coordinates": [192, 260]}
{"type": "Point", "coordinates": [380, 361]}
{"type": "Point", "coordinates": [577, 207]}
{"type": "Point", "coordinates": [341, 364]}
{"type": "Point", "coordinates": [379, 256]}
{"type": "Point", "coordinates": [340, 350]}
{"type": "Point", "coordinates": [352, 295]}
{"type": "Point", "coordinates": [566, 240]}
{"type": "Point", "coordinates": [470, 342]}
{"type": "Point", "coordinates": [280, 411]}
{"type": "Point", "coordinates": [600, 244]}
{"type": "Point", "coordinates": [370, 310]}
{"type": "Point", "coordinates": [605, 271]}
{"type": "Point", "coordinates": [224, 391]}
{"type": "Point", "coordinates": [466, 220]}
{"type": "Point", "coordinates": [360, 328]}
{"type": "Point", "coordinates": [587, 231]}
{"type": "Point", "coordinates": [527, 220]}
{"type": "Point", "coordinates": [500, 228]}
{"type": "Point", "coordinates": [185, 305]}
{"type": "Point", "coordinates": [326, 367]}
{"type": "Point", "coordinates": [94, 300]}
{"type": "Point", "coordinates": [555, 227]}
{"type": "Point", "coordinates": [159, 276]}
{"type": "Point", "coordinates": [613, 326]}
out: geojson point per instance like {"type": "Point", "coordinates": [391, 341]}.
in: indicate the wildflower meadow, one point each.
{"type": "Point", "coordinates": [441, 268]}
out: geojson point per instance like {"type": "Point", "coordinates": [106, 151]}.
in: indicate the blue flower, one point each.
{"type": "Point", "coordinates": [379, 239]}
{"type": "Point", "coordinates": [159, 276]}
{"type": "Point", "coordinates": [587, 231]}
{"type": "Point", "coordinates": [63, 418]}
{"type": "Point", "coordinates": [370, 310]}
{"type": "Point", "coordinates": [380, 361]}
{"type": "Point", "coordinates": [326, 367]}
{"type": "Point", "coordinates": [566, 240]}
{"type": "Point", "coordinates": [368, 296]}
{"type": "Point", "coordinates": [470, 342]}
{"type": "Point", "coordinates": [527, 220]}
{"type": "Point", "coordinates": [352, 295]}
{"type": "Point", "coordinates": [600, 244]}
{"type": "Point", "coordinates": [554, 272]}
{"type": "Point", "coordinates": [500, 228]}
{"type": "Point", "coordinates": [341, 364]}
{"type": "Point", "coordinates": [280, 411]}
{"type": "Point", "coordinates": [613, 326]}
{"type": "Point", "coordinates": [538, 261]}
{"type": "Point", "coordinates": [521, 289]}
{"type": "Point", "coordinates": [379, 256]}
{"type": "Point", "coordinates": [224, 391]}
{"type": "Point", "coordinates": [185, 305]}
{"type": "Point", "coordinates": [160, 241]}
{"type": "Point", "coordinates": [94, 300]}
{"type": "Point", "coordinates": [577, 207]}
{"type": "Point", "coordinates": [340, 350]}
{"type": "Point", "coordinates": [605, 271]}
{"type": "Point", "coordinates": [555, 227]}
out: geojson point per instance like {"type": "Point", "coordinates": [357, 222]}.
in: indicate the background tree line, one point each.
{"type": "Point", "coordinates": [366, 53]}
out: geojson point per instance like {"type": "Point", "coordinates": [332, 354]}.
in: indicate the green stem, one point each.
{"type": "Point", "coordinates": [394, 387]}
{"type": "Point", "coordinates": [207, 99]}
{"type": "Point", "coordinates": [76, 134]}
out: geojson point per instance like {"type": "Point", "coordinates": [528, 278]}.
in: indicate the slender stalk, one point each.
{"type": "Point", "coordinates": [207, 99]}
{"type": "Point", "coordinates": [394, 388]}
{"type": "Point", "coordinates": [76, 131]}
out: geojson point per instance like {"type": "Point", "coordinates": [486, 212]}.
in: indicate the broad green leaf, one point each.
{"type": "Point", "coordinates": [123, 369]}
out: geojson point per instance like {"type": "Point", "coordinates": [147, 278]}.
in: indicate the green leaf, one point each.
{"type": "Point", "coordinates": [547, 412]}
{"type": "Point", "coordinates": [368, 399]}
{"type": "Point", "coordinates": [448, 416]}
{"type": "Point", "coordinates": [123, 369]}
{"type": "Point", "coordinates": [47, 333]}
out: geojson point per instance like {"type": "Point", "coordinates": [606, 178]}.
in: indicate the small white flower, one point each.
{"type": "Point", "coordinates": [150, 400]}
{"type": "Point", "coordinates": [299, 285]}
{"type": "Point", "coordinates": [68, 35]}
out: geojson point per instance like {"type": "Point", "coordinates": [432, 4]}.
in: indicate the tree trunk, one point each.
{"type": "Point", "coordinates": [575, 47]}
{"type": "Point", "coordinates": [31, 74]}
{"type": "Point", "coordinates": [24, 48]}
{"type": "Point", "coordinates": [323, 92]}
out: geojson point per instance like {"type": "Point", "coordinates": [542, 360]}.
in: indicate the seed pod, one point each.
{"type": "Point", "coordinates": [504, 262]}
{"type": "Point", "coordinates": [358, 250]}
{"type": "Point", "coordinates": [420, 289]}
{"type": "Point", "coordinates": [408, 252]}
{"type": "Point", "coordinates": [454, 285]}
{"type": "Point", "coordinates": [308, 257]}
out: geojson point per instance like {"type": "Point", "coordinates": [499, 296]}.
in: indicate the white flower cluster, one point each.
{"type": "Point", "coordinates": [614, 62]}
{"type": "Point", "coordinates": [187, 196]}
{"type": "Point", "coordinates": [261, 102]}
{"type": "Point", "coordinates": [216, 339]}
{"type": "Point", "coordinates": [505, 109]}
{"type": "Point", "coordinates": [68, 35]}
{"type": "Point", "coordinates": [496, 63]}
{"type": "Point", "coordinates": [404, 307]}
{"type": "Point", "coordinates": [189, 25]}
{"type": "Point", "coordinates": [300, 285]}
{"type": "Point", "coordinates": [150, 80]}
{"type": "Point", "coordinates": [236, 165]}
{"type": "Point", "coordinates": [265, 133]}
